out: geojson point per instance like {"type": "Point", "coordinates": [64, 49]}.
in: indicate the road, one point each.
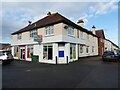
{"type": "Point", "coordinates": [89, 72]}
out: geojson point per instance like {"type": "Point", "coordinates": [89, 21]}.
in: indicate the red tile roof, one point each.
{"type": "Point", "coordinates": [50, 20]}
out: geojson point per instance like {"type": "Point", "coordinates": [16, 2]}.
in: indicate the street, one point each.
{"type": "Point", "coordinates": [89, 72]}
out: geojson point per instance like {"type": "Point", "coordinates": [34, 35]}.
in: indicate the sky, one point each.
{"type": "Point", "coordinates": [104, 15]}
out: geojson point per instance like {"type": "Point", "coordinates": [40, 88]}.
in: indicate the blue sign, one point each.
{"type": "Point", "coordinates": [61, 53]}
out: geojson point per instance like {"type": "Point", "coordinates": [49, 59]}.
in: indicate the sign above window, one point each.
{"type": "Point", "coordinates": [38, 38]}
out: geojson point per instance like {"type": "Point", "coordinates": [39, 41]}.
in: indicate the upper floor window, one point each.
{"type": "Point", "coordinates": [87, 36]}
{"type": "Point", "coordinates": [81, 34]}
{"type": "Point", "coordinates": [87, 48]}
{"type": "Point", "coordinates": [33, 33]}
{"type": "Point", "coordinates": [49, 30]}
{"type": "Point", "coordinates": [70, 31]}
{"type": "Point", "coordinates": [19, 36]}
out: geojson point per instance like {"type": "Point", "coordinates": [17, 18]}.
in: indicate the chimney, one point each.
{"type": "Point", "coordinates": [81, 23]}
{"type": "Point", "coordinates": [49, 13]}
{"type": "Point", "coordinates": [94, 29]}
{"type": "Point", "coordinates": [29, 22]}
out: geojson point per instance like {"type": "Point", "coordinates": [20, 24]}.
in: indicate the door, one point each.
{"type": "Point", "coordinates": [50, 53]}
{"type": "Point", "coordinates": [22, 53]}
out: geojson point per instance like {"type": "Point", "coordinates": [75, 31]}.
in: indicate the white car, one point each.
{"type": "Point", "coordinates": [6, 57]}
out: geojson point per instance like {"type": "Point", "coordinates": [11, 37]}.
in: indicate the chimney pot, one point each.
{"type": "Point", "coordinates": [49, 13]}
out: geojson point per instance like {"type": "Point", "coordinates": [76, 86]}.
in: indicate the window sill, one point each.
{"type": "Point", "coordinates": [71, 35]}
{"type": "Point", "coordinates": [49, 35]}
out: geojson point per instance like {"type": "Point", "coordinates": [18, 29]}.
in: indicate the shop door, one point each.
{"type": "Point", "coordinates": [22, 53]}
{"type": "Point", "coordinates": [50, 53]}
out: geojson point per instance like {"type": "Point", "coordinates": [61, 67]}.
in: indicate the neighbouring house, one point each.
{"type": "Point", "coordinates": [5, 46]}
{"type": "Point", "coordinates": [107, 45]}
{"type": "Point", "coordinates": [55, 39]}
{"type": "Point", "coordinates": [101, 38]}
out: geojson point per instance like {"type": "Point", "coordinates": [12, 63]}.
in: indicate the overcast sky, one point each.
{"type": "Point", "coordinates": [104, 15]}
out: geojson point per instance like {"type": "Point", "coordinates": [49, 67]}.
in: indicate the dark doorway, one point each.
{"type": "Point", "coordinates": [50, 53]}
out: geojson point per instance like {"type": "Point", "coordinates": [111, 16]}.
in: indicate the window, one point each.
{"type": "Point", "coordinates": [87, 36]}
{"type": "Point", "coordinates": [81, 48]}
{"type": "Point", "coordinates": [19, 36]}
{"type": "Point", "coordinates": [29, 51]}
{"type": "Point", "coordinates": [15, 51]}
{"type": "Point", "coordinates": [47, 52]}
{"type": "Point", "coordinates": [49, 30]}
{"type": "Point", "coordinates": [33, 33]}
{"type": "Point", "coordinates": [81, 34]}
{"type": "Point", "coordinates": [92, 48]}
{"type": "Point", "coordinates": [87, 49]}
{"type": "Point", "coordinates": [70, 31]}
{"type": "Point", "coordinates": [72, 51]}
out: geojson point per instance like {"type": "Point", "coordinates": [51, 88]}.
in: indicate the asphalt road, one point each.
{"type": "Point", "coordinates": [85, 73]}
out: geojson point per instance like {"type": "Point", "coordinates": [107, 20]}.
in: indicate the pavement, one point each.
{"type": "Point", "coordinates": [89, 72]}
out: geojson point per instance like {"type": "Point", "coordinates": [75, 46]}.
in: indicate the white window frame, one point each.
{"type": "Point", "coordinates": [33, 33]}
{"type": "Point", "coordinates": [81, 34]}
{"type": "Point", "coordinates": [70, 31]}
{"type": "Point", "coordinates": [49, 30]}
{"type": "Point", "coordinates": [81, 49]}
{"type": "Point", "coordinates": [87, 49]}
{"type": "Point", "coordinates": [19, 36]}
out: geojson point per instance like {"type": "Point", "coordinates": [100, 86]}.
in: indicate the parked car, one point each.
{"type": "Point", "coordinates": [6, 57]}
{"type": "Point", "coordinates": [118, 52]}
{"type": "Point", "coordinates": [110, 56]}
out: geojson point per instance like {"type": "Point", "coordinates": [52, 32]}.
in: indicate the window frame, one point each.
{"type": "Point", "coordinates": [49, 30]}
{"type": "Point", "coordinates": [19, 36]}
{"type": "Point", "coordinates": [70, 31]}
{"type": "Point", "coordinates": [33, 33]}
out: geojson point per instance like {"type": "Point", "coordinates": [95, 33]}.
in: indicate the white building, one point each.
{"type": "Point", "coordinates": [62, 40]}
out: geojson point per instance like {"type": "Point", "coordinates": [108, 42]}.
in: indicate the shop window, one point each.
{"type": "Point", "coordinates": [49, 30]}
{"type": "Point", "coordinates": [15, 51]}
{"type": "Point", "coordinates": [92, 48]}
{"type": "Point", "coordinates": [87, 49]}
{"type": "Point", "coordinates": [72, 51]}
{"type": "Point", "coordinates": [47, 52]}
{"type": "Point", "coordinates": [29, 51]}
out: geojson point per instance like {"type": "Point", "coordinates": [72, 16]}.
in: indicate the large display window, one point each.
{"type": "Point", "coordinates": [72, 51]}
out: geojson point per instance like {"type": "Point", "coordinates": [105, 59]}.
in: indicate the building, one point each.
{"type": "Point", "coordinates": [62, 40]}
{"type": "Point", "coordinates": [101, 38]}
{"type": "Point", "coordinates": [108, 45]}
{"type": "Point", "coordinates": [5, 46]}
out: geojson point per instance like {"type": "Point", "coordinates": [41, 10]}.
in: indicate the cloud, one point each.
{"type": "Point", "coordinates": [16, 15]}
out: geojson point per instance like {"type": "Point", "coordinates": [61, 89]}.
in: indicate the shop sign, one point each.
{"type": "Point", "coordinates": [61, 53]}
{"type": "Point", "coordinates": [38, 38]}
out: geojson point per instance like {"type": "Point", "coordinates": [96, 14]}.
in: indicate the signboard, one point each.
{"type": "Point", "coordinates": [38, 38]}
{"type": "Point", "coordinates": [61, 53]}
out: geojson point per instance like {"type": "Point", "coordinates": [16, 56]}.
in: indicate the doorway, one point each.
{"type": "Point", "coordinates": [50, 53]}
{"type": "Point", "coordinates": [22, 53]}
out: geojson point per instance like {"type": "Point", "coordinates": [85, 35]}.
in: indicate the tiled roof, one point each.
{"type": "Point", "coordinates": [100, 33]}
{"type": "Point", "coordinates": [50, 20]}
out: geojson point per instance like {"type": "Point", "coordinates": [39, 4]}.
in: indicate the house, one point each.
{"type": "Point", "coordinates": [107, 45]}
{"type": "Point", "coordinates": [5, 46]}
{"type": "Point", "coordinates": [101, 38]}
{"type": "Point", "coordinates": [55, 39]}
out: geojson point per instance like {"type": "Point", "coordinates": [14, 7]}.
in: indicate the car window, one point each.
{"type": "Point", "coordinates": [109, 53]}
{"type": "Point", "coordinates": [2, 53]}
